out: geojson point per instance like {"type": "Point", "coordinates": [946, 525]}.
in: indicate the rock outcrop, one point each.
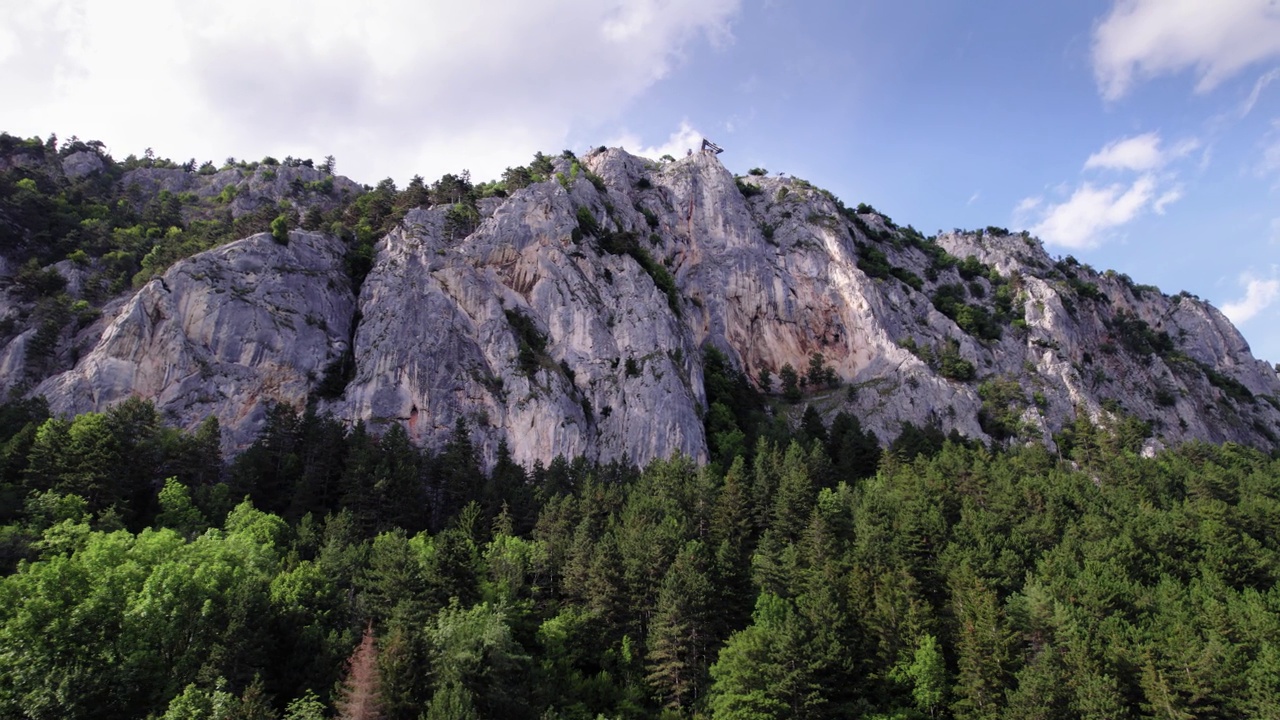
{"type": "Point", "coordinates": [572, 321]}
{"type": "Point", "coordinates": [246, 190]}
{"type": "Point", "coordinates": [223, 333]}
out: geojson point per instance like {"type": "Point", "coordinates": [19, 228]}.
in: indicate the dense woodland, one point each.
{"type": "Point", "coordinates": [327, 572]}
{"type": "Point", "coordinates": [804, 572]}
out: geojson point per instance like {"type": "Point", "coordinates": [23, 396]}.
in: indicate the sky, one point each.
{"type": "Point", "coordinates": [1136, 135]}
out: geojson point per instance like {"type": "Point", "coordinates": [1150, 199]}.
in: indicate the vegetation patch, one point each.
{"type": "Point", "coordinates": [1233, 388]}
{"type": "Point", "coordinates": [945, 360]}
{"type": "Point", "coordinates": [623, 242]}
{"type": "Point", "coordinates": [748, 190]}
{"type": "Point", "coordinates": [973, 319]}
{"type": "Point", "coordinates": [873, 262]}
{"type": "Point", "coordinates": [1003, 402]}
{"type": "Point", "coordinates": [1138, 337]}
{"type": "Point", "coordinates": [532, 354]}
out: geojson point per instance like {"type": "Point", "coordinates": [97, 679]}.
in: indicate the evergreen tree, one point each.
{"type": "Point", "coordinates": [795, 497]}
{"type": "Point", "coordinates": [399, 483]}
{"type": "Point", "coordinates": [679, 634]}
{"type": "Point", "coordinates": [790, 383]}
{"type": "Point", "coordinates": [457, 476]}
{"type": "Point", "coordinates": [508, 487]}
{"type": "Point", "coordinates": [763, 671]}
{"type": "Point", "coordinates": [360, 494]}
{"type": "Point", "coordinates": [360, 698]}
{"type": "Point", "coordinates": [982, 647]}
{"type": "Point", "coordinates": [268, 470]}
{"type": "Point", "coordinates": [323, 456]}
{"type": "Point", "coordinates": [393, 581]}
{"type": "Point", "coordinates": [854, 453]}
{"type": "Point", "coordinates": [812, 429]}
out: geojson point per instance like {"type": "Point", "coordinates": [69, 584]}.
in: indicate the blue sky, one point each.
{"type": "Point", "coordinates": [1138, 135]}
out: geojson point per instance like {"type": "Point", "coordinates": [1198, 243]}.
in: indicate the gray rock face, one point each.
{"type": "Point", "coordinates": [222, 333]}
{"type": "Point", "coordinates": [79, 164]}
{"type": "Point", "coordinates": [245, 191]}
{"type": "Point", "coordinates": [559, 340]}
{"type": "Point", "coordinates": [619, 378]}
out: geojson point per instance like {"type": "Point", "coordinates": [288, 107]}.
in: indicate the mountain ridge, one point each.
{"type": "Point", "coordinates": [570, 317]}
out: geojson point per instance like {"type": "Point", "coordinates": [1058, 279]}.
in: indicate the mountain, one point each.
{"type": "Point", "coordinates": [570, 314]}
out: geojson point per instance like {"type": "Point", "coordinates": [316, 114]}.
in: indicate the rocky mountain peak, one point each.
{"type": "Point", "coordinates": [570, 316]}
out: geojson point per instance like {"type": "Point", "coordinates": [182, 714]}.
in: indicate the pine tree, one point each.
{"type": "Point", "coordinates": [359, 697]}
{"type": "Point", "coordinates": [854, 453]}
{"type": "Point", "coordinates": [983, 644]}
{"type": "Point", "coordinates": [458, 477]}
{"type": "Point", "coordinates": [790, 383]}
{"type": "Point", "coordinates": [393, 579]}
{"type": "Point", "coordinates": [795, 496]}
{"type": "Point", "coordinates": [731, 516]}
{"type": "Point", "coordinates": [679, 634]}
{"type": "Point", "coordinates": [398, 483]}
{"type": "Point", "coordinates": [811, 426]}
{"type": "Point", "coordinates": [766, 470]}
{"type": "Point", "coordinates": [206, 466]}
{"type": "Point", "coordinates": [324, 445]}
{"type": "Point", "coordinates": [508, 487]}
{"type": "Point", "coordinates": [268, 471]}
{"type": "Point", "coordinates": [1042, 691]}
{"type": "Point", "coordinates": [766, 670]}
{"type": "Point", "coordinates": [404, 665]}
{"type": "Point", "coordinates": [360, 496]}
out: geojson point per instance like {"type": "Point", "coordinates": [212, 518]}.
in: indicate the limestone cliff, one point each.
{"type": "Point", "coordinates": [571, 321]}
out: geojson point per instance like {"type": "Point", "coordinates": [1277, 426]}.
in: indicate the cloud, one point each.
{"type": "Point", "coordinates": [1166, 199]}
{"type": "Point", "coordinates": [1136, 153]}
{"type": "Point", "coordinates": [677, 145]}
{"type": "Point", "coordinates": [1026, 206]}
{"type": "Point", "coordinates": [1261, 84]}
{"type": "Point", "coordinates": [1140, 153]}
{"type": "Point", "coordinates": [1094, 210]}
{"type": "Point", "coordinates": [1269, 159]}
{"type": "Point", "coordinates": [1258, 295]}
{"type": "Point", "coordinates": [1143, 39]}
{"type": "Point", "coordinates": [397, 86]}
{"type": "Point", "coordinates": [1083, 220]}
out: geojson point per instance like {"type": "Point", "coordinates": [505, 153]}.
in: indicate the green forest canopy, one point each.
{"type": "Point", "coordinates": [359, 571]}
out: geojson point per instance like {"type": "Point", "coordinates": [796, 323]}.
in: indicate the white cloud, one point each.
{"type": "Point", "coordinates": [1027, 205]}
{"type": "Point", "coordinates": [1258, 87]}
{"type": "Point", "coordinates": [1258, 295]}
{"type": "Point", "coordinates": [1139, 153]}
{"type": "Point", "coordinates": [1166, 199]}
{"type": "Point", "coordinates": [398, 86]}
{"type": "Point", "coordinates": [1142, 39]}
{"type": "Point", "coordinates": [1091, 212]}
{"type": "Point", "coordinates": [677, 145]}
{"type": "Point", "coordinates": [1269, 161]}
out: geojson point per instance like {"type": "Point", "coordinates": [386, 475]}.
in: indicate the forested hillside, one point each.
{"type": "Point", "coordinates": [925, 486]}
{"type": "Point", "coordinates": [332, 573]}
